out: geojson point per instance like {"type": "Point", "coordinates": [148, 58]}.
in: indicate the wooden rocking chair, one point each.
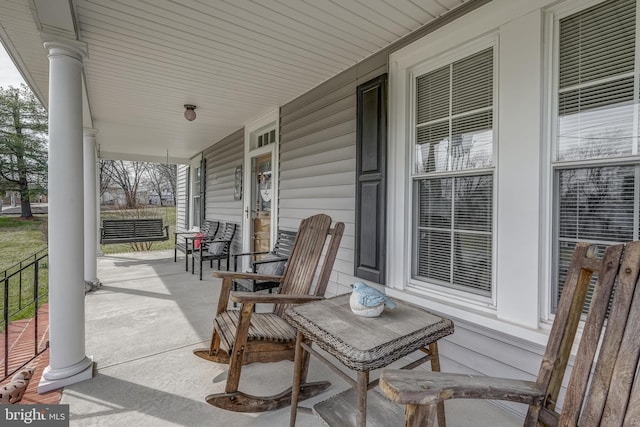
{"type": "Point", "coordinates": [241, 336]}
{"type": "Point", "coordinates": [610, 373]}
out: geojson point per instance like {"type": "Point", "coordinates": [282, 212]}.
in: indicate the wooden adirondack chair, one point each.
{"type": "Point", "coordinates": [266, 337]}
{"type": "Point", "coordinates": [604, 386]}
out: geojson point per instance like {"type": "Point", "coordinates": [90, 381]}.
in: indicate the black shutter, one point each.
{"type": "Point", "coordinates": [187, 201]}
{"type": "Point", "coordinates": [371, 165]}
{"type": "Point", "coordinates": [203, 190]}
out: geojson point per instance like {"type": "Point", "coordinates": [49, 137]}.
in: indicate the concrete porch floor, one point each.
{"type": "Point", "coordinates": [141, 328]}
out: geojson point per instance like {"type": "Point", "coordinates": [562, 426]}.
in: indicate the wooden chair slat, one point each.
{"type": "Point", "coordinates": [564, 328]}
{"type": "Point", "coordinates": [632, 417]}
{"type": "Point", "coordinates": [626, 364]}
{"type": "Point", "coordinates": [603, 373]}
{"type": "Point", "coordinates": [590, 337]}
{"type": "Point", "coordinates": [604, 386]}
{"type": "Point", "coordinates": [242, 336]}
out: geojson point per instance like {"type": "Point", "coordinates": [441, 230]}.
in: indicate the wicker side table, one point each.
{"type": "Point", "coordinates": [363, 344]}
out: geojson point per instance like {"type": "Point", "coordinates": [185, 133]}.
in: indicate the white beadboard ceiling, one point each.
{"type": "Point", "coordinates": [235, 60]}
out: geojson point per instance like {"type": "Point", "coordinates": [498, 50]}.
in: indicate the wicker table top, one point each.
{"type": "Point", "coordinates": [362, 343]}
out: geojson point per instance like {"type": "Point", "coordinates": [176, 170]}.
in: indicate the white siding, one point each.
{"type": "Point", "coordinates": [317, 159]}
{"type": "Point", "coordinates": [181, 197]}
{"type": "Point", "coordinates": [222, 159]}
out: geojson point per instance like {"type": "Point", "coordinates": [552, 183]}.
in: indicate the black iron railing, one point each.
{"type": "Point", "coordinates": [24, 290]}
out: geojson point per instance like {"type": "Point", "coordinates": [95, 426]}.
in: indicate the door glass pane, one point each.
{"type": "Point", "coordinates": [262, 197]}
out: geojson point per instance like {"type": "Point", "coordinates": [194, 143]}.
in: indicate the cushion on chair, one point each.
{"type": "Point", "coordinates": [217, 248]}
{"type": "Point", "coordinates": [275, 268]}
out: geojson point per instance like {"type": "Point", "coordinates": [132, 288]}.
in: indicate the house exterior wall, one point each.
{"type": "Point", "coordinates": [317, 159]}
{"type": "Point", "coordinates": [506, 335]}
{"type": "Point", "coordinates": [181, 198]}
{"type": "Point", "coordinates": [221, 161]}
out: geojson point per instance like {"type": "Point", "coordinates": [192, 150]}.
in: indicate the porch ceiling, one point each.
{"type": "Point", "coordinates": [236, 60]}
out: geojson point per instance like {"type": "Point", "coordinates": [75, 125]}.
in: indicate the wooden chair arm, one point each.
{"type": "Point", "coordinates": [258, 298]}
{"type": "Point", "coordinates": [242, 275]}
{"type": "Point", "coordinates": [420, 387]}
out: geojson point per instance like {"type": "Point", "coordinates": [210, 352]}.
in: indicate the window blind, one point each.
{"type": "Point", "coordinates": [454, 210]}
{"type": "Point", "coordinates": [596, 82]}
{"type": "Point", "coordinates": [596, 120]}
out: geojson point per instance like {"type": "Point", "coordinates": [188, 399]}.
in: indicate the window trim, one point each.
{"type": "Point", "coordinates": [196, 163]}
{"type": "Point", "coordinates": [552, 165]}
{"type": "Point", "coordinates": [400, 243]}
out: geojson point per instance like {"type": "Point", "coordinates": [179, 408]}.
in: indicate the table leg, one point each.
{"type": "Point", "coordinates": [435, 367]}
{"type": "Point", "coordinates": [361, 395]}
{"type": "Point", "coordinates": [297, 379]}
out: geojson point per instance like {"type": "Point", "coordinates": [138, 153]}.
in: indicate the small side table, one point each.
{"type": "Point", "coordinates": [363, 344]}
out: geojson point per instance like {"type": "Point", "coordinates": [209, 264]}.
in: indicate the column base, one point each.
{"type": "Point", "coordinates": [46, 385]}
{"type": "Point", "coordinates": [92, 285]}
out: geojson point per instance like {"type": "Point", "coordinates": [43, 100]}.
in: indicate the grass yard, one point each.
{"type": "Point", "coordinates": [22, 238]}
{"type": "Point", "coordinates": [19, 239]}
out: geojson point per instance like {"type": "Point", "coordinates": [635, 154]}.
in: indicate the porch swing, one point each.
{"type": "Point", "coordinates": [135, 231]}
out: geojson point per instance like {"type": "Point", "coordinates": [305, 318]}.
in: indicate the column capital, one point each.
{"type": "Point", "coordinates": [60, 45]}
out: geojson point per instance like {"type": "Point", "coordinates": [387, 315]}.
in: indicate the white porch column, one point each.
{"type": "Point", "coordinates": [90, 210]}
{"type": "Point", "coordinates": [68, 363]}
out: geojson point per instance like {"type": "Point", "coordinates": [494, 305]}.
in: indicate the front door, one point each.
{"type": "Point", "coordinates": [260, 176]}
{"type": "Point", "coordinates": [262, 198]}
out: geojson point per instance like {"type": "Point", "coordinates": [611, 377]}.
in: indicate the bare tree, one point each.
{"type": "Point", "coordinates": [127, 175]}
{"type": "Point", "coordinates": [156, 179]}
{"type": "Point", "coordinates": [170, 174]}
{"type": "Point", "coordinates": [106, 167]}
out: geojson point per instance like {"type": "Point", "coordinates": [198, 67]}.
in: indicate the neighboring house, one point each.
{"type": "Point", "coordinates": [509, 135]}
{"type": "Point", "coordinates": [114, 196]}
{"type": "Point", "coordinates": [166, 197]}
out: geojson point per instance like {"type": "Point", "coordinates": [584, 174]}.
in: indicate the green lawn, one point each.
{"type": "Point", "coordinates": [22, 238]}
{"type": "Point", "coordinates": [19, 239]}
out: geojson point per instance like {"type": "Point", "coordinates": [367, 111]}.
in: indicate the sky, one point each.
{"type": "Point", "coordinates": [9, 75]}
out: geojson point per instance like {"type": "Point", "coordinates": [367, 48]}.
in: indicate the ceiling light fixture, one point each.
{"type": "Point", "coordinates": [189, 112]}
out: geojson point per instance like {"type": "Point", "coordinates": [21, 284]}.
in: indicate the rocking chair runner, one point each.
{"type": "Point", "coordinates": [241, 336]}
{"type": "Point", "coordinates": [613, 395]}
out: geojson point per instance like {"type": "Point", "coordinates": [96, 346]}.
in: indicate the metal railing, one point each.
{"type": "Point", "coordinates": [24, 290]}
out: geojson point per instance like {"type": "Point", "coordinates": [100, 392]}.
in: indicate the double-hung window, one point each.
{"type": "Point", "coordinates": [595, 159]}
{"type": "Point", "coordinates": [199, 181]}
{"type": "Point", "coordinates": [452, 174]}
